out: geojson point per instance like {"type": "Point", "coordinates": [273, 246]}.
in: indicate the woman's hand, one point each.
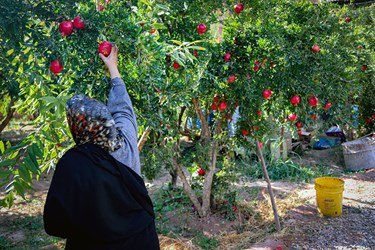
{"type": "Point", "coordinates": [111, 62]}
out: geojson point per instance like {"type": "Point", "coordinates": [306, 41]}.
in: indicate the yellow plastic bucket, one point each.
{"type": "Point", "coordinates": [329, 191]}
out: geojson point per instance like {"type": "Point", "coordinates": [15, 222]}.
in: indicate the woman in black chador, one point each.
{"type": "Point", "coordinates": [97, 199]}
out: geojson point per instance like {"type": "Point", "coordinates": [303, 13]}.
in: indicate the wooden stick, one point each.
{"type": "Point", "coordinates": [274, 208]}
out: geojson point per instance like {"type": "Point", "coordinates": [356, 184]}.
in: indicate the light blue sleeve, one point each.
{"type": "Point", "coordinates": [121, 108]}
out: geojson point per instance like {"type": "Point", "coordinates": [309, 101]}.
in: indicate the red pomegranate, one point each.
{"type": "Point", "coordinates": [328, 105]}
{"type": "Point", "coordinates": [176, 66]}
{"type": "Point", "coordinates": [201, 28]}
{"type": "Point", "coordinates": [245, 132]}
{"type": "Point", "coordinates": [292, 117]}
{"type": "Point", "coordinates": [56, 66]}
{"type": "Point", "coordinates": [66, 28]}
{"type": "Point", "coordinates": [313, 101]}
{"type": "Point", "coordinates": [105, 48]}
{"type": "Point", "coordinates": [200, 171]}
{"type": "Point", "coordinates": [267, 94]}
{"type": "Point", "coordinates": [231, 79]}
{"type": "Point", "coordinates": [226, 57]}
{"type": "Point", "coordinates": [238, 8]}
{"type": "Point", "coordinates": [295, 100]}
{"type": "Point", "coordinates": [78, 23]}
{"type": "Point", "coordinates": [315, 48]}
{"type": "Point", "coordinates": [222, 105]}
{"type": "Point", "coordinates": [299, 125]}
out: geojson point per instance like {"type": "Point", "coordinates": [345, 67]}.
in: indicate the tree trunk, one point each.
{"type": "Point", "coordinates": [9, 115]}
{"type": "Point", "coordinates": [189, 191]}
{"type": "Point", "coordinates": [207, 185]}
{"type": "Point", "coordinates": [173, 173]}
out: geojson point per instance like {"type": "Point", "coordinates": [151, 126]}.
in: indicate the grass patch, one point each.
{"type": "Point", "coordinates": [25, 232]}
{"type": "Point", "coordinates": [284, 170]}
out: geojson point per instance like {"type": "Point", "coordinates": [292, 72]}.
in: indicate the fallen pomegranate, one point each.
{"type": "Point", "coordinates": [105, 48]}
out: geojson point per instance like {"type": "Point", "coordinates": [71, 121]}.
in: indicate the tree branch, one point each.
{"type": "Point", "coordinates": [189, 191]}
{"type": "Point", "coordinates": [143, 138]}
{"type": "Point", "coordinates": [205, 134]}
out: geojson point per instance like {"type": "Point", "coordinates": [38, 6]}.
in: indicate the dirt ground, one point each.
{"type": "Point", "coordinates": [302, 226]}
{"type": "Point", "coordinates": [354, 229]}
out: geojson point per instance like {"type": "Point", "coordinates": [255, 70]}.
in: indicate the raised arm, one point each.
{"type": "Point", "coordinates": [121, 108]}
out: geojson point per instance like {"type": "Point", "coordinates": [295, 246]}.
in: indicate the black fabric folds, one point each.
{"type": "Point", "coordinates": [94, 200]}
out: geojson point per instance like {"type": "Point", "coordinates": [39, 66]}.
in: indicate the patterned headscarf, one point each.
{"type": "Point", "coordinates": [91, 122]}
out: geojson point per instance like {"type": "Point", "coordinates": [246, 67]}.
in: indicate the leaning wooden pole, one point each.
{"type": "Point", "coordinates": [274, 208]}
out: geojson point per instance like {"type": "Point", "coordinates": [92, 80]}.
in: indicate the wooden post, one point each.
{"type": "Point", "coordinates": [274, 208]}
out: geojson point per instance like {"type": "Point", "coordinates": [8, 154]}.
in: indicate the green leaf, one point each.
{"type": "Point", "coordinates": [19, 189]}
{"type": "Point", "coordinates": [24, 173]}
{"type": "Point", "coordinates": [13, 148]}
{"type": "Point", "coordinates": [5, 173]}
{"type": "Point", "coordinates": [9, 52]}
{"type": "Point", "coordinates": [176, 42]}
{"type": "Point", "coordinates": [7, 162]}
{"type": "Point", "coordinates": [49, 99]}
{"type": "Point", "coordinates": [159, 26]}
{"type": "Point", "coordinates": [2, 147]}
{"type": "Point", "coordinates": [36, 150]}
{"type": "Point", "coordinates": [197, 47]}
{"type": "Point", "coordinates": [30, 165]}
